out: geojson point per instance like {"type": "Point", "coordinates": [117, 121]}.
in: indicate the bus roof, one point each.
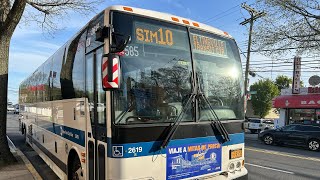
{"type": "Point", "coordinates": [170, 18]}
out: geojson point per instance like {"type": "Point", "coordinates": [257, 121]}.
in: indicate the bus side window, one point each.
{"type": "Point", "coordinates": [55, 74]}
{"type": "Point", "coordinates": [72, 71]}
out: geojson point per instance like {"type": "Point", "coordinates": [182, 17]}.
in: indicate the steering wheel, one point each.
{"type": "Point", "coordinates": [216, 100]}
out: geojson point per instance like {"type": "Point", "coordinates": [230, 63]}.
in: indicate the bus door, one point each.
{"type": "Point", "coordinates": [97, 138]}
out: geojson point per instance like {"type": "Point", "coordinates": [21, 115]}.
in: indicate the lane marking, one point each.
{"type": "Point", "coordinates": [297, 156]}
{"type": "Point", "coordinates": [269, 168]}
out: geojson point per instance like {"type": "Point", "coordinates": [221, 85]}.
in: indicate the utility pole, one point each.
{"type": "Point", "coordinates": [254, 15]}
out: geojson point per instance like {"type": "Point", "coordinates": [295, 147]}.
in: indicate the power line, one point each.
{"type": "Point", "coordinates": [280, 71]}
{"type": "Point", "coordinates": [217, 15]}
{"type": "Point", "coordinates": [282, 59]}
{"type": "Point", "coordinates": [281, 49]}
{"type": "Point", "coordinates": [284, 63]}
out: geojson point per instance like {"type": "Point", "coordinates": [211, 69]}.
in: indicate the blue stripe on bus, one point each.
{"type": "Point", "coordinates": [75, 135]}
{"type": "Point", "coordinates": [152, 148]}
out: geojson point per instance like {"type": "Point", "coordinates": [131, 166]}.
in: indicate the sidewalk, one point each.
{"type": "Point", "coordinates": [22, 170]}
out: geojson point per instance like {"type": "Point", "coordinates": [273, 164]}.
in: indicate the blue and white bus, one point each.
{"type": "Point", "coordinates": [139, 94]}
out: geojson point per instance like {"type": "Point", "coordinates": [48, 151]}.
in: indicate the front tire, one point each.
{"type": "Point", "coordinates": [76, 171]}
{"type": "Point", "coordinates": [314, 145]}
{"type": "Point", "coordinates": [268, 139]}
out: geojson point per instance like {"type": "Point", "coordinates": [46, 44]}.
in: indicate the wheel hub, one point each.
{"type": "Point", "coordinates": [313, 145]}
{"type": "Point", "coordinates": [268, 140]}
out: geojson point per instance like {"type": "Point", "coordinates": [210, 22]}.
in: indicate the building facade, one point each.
{"type": "Point", "coordinates": [302, 108]}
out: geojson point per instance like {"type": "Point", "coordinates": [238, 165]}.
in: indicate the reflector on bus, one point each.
{"type": "Point", "coordinates": [110, 71]}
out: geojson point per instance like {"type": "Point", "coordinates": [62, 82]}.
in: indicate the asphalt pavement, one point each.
{"type": "Point", "coordinates": [265, 162]}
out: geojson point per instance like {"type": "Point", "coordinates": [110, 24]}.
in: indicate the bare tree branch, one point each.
{"type": "Point", "coordinates": [37, 7]}
{"type": "Point", "coordinates": [289, 24]}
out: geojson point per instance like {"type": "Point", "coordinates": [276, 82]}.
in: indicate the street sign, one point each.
{"type": "Point", "coordinates": [253, 92]}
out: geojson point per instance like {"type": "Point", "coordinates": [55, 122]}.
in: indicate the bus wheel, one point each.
{"type": "Point", "coordinates": [76, 172]}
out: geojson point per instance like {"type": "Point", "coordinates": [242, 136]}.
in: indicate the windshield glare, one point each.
{"type": "Point", "coordinates": [157, 73]}
{"type": "Point", "coordinates": [219, 73]}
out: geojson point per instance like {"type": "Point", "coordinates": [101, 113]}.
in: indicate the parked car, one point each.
{"type": "Point", "coordinates": [256, 125]}
{"type": "Point", "coordinates": [10, 108]}
{"type": "Point", "coordinates": [294, 134]}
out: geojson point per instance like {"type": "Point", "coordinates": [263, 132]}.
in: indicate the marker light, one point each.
{"type": "Point", "coordinates": [175, 19]}
{"type": "Point", "coordinates": [185, 21]}
{"type": "Point", "coordinates": [128, 9]}
{"type": "Point", "coordinates": [196, 24]}
{"type": "Point", "coordinates": [226, 33]}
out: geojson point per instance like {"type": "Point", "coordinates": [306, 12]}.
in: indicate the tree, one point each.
{"type": "Point", "coordinates": [262, 101]}
{"type": "Point", "coordinates": [289, 25]}
{"type": "Point", "coordinates": [45, 13]}
{"type": "Point", "coordinates": [283, 82]}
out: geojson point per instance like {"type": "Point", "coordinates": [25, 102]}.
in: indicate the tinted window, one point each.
{"type": "Point", "coordinates": [72, 71]}
{"type": "Point", "coordinates": [101, 104]}
{"type": "Point", "coordinates": [268, 122]}
{"type": "Point", "coordinates": [289, 128]}
{"type": "Point", "coordinates": [309, 128]}
{"type": "Point", "coordinates": [58, 58]}
{"type": "Point", "coordinates": [255, 120]}
{"type": "Point", "coordinates": [47, 79]}
{"type": "Point", "coordinates": [89, 84]}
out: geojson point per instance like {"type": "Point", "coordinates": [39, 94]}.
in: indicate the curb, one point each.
{"type": "Point", "coordinates": [28, 164]}
{"type": "Point", "coordinates": [16, 152]}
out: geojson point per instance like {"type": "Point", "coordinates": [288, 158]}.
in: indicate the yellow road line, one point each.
{"type": "Point", "coordinates": [283, 154]}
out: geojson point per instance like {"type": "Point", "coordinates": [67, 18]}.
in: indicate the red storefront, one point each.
{"type": "Point", "coordinates": [303, 108]}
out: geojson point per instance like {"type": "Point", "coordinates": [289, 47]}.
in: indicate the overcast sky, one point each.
{"type": "Point", "coordinates": [30, 47]}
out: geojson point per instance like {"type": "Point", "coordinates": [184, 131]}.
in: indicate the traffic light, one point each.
{"type": "Point", "coordinates": [253, 74]}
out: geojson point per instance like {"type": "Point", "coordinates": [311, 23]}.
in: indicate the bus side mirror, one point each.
{"type": "Point", "coordinates": [110, 68]}
{"type": "Point", "coordinates": [119, 42]}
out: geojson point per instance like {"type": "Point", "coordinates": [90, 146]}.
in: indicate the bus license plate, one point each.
{"type": "Point", "coordinates": [236, 153]}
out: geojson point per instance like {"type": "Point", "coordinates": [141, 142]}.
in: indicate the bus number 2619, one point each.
{"type": "Point", "coordinates": [134, 150]}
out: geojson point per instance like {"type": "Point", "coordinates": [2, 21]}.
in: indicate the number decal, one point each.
{"type": "Point", "coordinates": [131, 51]}
{"type": "Point", "coordinates": [133, 150]}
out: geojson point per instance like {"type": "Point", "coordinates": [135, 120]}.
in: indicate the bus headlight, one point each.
{"type": "Point", "coordinates": [238, 165]}
{"type": "Point", "coordinates": [231, 167]}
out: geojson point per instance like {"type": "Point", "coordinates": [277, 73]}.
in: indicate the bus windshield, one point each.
{"type": "Point", "coordinates": [157, 74]}
{"type": "Point", "coordinates": [219, 75]}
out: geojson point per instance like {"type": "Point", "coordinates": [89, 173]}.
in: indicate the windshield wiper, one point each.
{"type": "Point", "coordinates": [216, 124]}
{"type": "Point", "coordinates": [177, 121]}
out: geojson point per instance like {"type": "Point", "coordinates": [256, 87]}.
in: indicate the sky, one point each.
{"type": "Point", "coordinates": [30, 46]}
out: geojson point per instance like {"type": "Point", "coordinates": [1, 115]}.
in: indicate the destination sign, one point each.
{"type": "Point", "coordinates": [160, 36]}
{"type": "Point", "coordinates": [209, 46]}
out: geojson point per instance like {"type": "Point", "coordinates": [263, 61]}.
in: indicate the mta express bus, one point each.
{"type": "Point", "coordinates": [139, 94]}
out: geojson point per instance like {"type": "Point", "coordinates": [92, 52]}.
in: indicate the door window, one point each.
{"type": "Point", "coordinates": [93, 71]}
{"type": "Point", "coordinates": [289, 128]}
